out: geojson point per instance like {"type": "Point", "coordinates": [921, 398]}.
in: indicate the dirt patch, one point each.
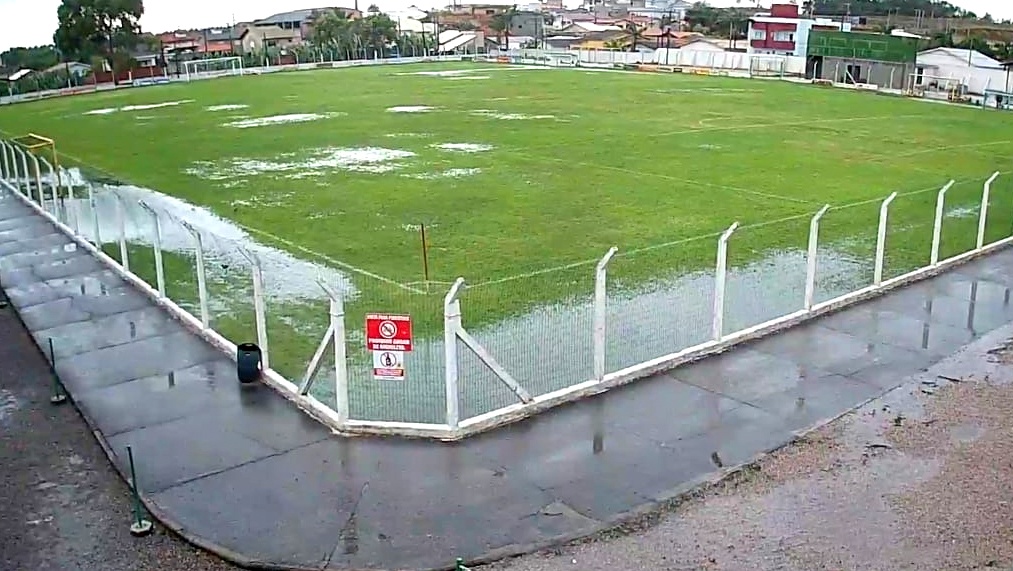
{"type": "Point", "coordinates": [919, 480]}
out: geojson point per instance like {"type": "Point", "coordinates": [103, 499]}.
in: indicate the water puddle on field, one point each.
{"type": "Point", "coordinates": [287, 278]}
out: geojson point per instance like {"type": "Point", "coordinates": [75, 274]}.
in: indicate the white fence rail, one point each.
{"type": "Point", "coordinates": [521, 393]}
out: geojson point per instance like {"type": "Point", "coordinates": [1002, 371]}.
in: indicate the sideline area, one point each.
{"type": "Point", "coordinates": [242, 472]}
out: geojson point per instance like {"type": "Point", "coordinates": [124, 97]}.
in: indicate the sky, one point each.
{"type": "Point", "coordinates": [32, 22]}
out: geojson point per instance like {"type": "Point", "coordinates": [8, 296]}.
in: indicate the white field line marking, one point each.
{"type": "Point", "coordinates": [712, 236]}
{"type": "Point", "coordinates": [328, 259]}
{"type": "Point", "coordinates": [263, 233]}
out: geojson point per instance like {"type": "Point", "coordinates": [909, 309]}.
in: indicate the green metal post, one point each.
{"type": "Point", "coordinates": [141, 526]}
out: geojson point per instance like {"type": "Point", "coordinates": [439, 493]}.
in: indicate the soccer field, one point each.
{"type": "Point", "coordinates": [523, 178]}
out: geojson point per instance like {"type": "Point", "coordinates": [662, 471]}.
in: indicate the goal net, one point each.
{"type": "Point", "coordinates": [767, 66]}
{"type": "Point", "coordinates": [217, 67]}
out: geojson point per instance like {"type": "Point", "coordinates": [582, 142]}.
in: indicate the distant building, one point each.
{"type": "Point", "coordinates": [74, 68]}
{"type": "Point", "coordinates": [861, 58]}
{"type": "Point", "coordinates": [286, 29]}
{"type": "Point", "coordinates": [972, 69]}
{"type": "Point", "coordinates": [783, 32]}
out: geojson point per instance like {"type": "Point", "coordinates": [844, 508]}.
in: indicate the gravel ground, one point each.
{"type": "Point", "coordinates": [919, 480]}
{"type": "Point", "coordinates": [62, 507]}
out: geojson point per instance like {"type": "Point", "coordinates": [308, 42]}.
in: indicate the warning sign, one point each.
{"type": "Point", "coordinates": [388, 365]}
{"type": "Point", "coordinates": [388, 332]}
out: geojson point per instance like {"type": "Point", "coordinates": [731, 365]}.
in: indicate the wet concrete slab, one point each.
{"type": "Point", "coordinates": [135, 360]}
{"type": "Point", "coordinates": [46, 242]}
{"type": "Point", "coordinates": [81, 263]}
{"type": "Point", "coordinates": [89, 284]}
{"type": "Point", "coordinates": [86, 308]}
{"type": "Point", "coordinates": [241, 468]}
{"type": "Point", "coordinates": [96, 330]}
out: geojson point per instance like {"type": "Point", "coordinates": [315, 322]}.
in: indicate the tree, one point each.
{"type": "Point", "coordinates": [37, 58]}
{"type": "Point", "coordinates": [500, 23]}
{"type": "Point", "coordinates": [106, 28]}
{"type": "Point", "coordinates": [633, 31]}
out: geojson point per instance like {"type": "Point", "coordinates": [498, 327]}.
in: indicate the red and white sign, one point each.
{"type": "Point", "coordinates": [388, 365]}
{"type": "Point", "coordinates": [388, 332]}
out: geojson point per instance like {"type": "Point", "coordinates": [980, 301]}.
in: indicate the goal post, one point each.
{"type": "Point", "coordinates": [767, 66]}
{"type": "Point", "coordinates": [214, 67]}
{"type": "Point", "coordinates": [934, 86]}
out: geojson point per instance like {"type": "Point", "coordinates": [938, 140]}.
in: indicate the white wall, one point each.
{"type": "Point", "coordinates": [977, 79]}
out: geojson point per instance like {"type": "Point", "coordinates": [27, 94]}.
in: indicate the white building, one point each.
{"type": "Point", "coordinates": [972, 69]}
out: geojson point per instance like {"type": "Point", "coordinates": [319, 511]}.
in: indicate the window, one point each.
{"type": "Point", "coordinates": [784, 36]}
{"type": "Point", "coordinates": [758, 35]}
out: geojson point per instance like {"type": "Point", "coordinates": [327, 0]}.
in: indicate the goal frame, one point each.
{"type": "Point", "coordinates": [191, 75]}
{"type": "Point", "coordinates": [776, 70]}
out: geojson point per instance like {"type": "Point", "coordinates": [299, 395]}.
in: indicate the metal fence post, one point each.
{"type": "Point", "coordinates": [811, 254]}
{"type": "Point", "coordinates": [720, 273]}
{"type": "Point", "coordinates": [937, 226]}
{"type": "Point", "coordinates": [156, 248]}
{"type": "Point", "coordinates": [202, 286]}
{"type": "Point", "coordinates": [600, 301]}
{"type": "Point", "coordinates": [340, 361]}
{"type": "Point", "coordinates": [983, 214]}
{"type": "Point", "coordinates": [451, 324]}
{"type": "Point", "coordinates": [38, 182]}
{"type": "Point", "coordinates": [52, 187]}
{"type": "Point", "coordinates": [121, 220]}
{"type": "Point", "coordinates": [884, 211]}
{"type": "Point", "coordinates": [260, 310]}
{"type": "Point", "coordinates": [28, 180]}
{"type": "Point", "coordinates": [5, 166]}
{"type": "Point", "coordinates": [94, 216]}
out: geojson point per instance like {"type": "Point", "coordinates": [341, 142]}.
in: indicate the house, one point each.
{"type": "Point", "coordinates": [610, 39]}
{"type": "Point", "coordinates": [668, 38]}
{"type": "Point", "coordinates": [528, 24]}
{"type": "Point", "coordinates": [584, 28]}
{"type": "Point", "coordinates": [701, 44]}
{"type": "Point", "coordinates": [477, 16]}
{"type": "Point", "coordinates": [860, 58]}
{"type": "Point", "coordinates": [675, 10]}
{"type": "Point", "coordinates": [458, 42]}
{"type": "Point", "coordinates": [260, 38]}
{"type": "Point", "coordinates": [74, 69]}
{"type": "Point", "coordinates": [783, 31]}
{"type": "Point", "coordinates": [561, 42]}
{"type": "Point", "coordinates": [968, 70]}
{"type": "Point", "coordinates": [218, 42]}
{"type": "Point", "coordinates": [286, 29]}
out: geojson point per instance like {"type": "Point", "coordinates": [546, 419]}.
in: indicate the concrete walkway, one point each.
{"type": "Point", "coordinates": [241, 471]}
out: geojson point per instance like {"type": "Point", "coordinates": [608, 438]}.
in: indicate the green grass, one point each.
{"type": "Point", "coordinates": [632, 160]}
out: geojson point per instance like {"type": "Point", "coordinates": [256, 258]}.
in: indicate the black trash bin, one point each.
{"type": "Point", "coordinates": [249, 362]}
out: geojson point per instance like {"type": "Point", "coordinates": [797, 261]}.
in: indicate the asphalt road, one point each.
{"type": "Point", "coordinates": [62, 506]}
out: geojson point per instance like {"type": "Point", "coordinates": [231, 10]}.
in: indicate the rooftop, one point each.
{"type": "Point", "coordinates": [974, 58]}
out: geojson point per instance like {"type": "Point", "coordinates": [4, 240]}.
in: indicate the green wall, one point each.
{"type": "Point", "coordinates": [851, 45]}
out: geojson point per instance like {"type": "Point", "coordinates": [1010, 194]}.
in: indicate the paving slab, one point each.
{"type": "Point", "coordinates": [242, 471]}
{"type": "Point", "coordinates": [54, 315]}
{"type": "Point", "coordinates": [94, 283]}
{"type": "Point", "coordinates": [135, 360]}
{"type": "Point", "coordinates": [118, 324]}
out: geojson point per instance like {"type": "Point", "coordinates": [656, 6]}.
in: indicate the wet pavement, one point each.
{"type": "Point", "coordinates": [241, 471]}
